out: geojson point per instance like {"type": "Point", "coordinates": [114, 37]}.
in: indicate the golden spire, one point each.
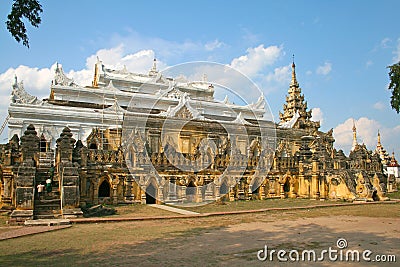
{"type": "Point", "coordinates": [96, 73]}
{"type": "Point", "coordinates": [379, 138]}
{"type": "Point", "coordinates": [294, 80]}
{"type": "Point", "coordinates": [354, 136]}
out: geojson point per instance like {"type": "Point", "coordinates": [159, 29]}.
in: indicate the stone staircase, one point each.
{"type": "Point", "coordinates": [48, 206]}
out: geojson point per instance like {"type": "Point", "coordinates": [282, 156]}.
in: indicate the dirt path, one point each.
{"type": "Point", "coordinates": [237, 245]}
{"type": "Point", "coordinates": [19, 231]}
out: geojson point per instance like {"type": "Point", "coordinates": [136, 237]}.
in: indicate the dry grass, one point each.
{"type": "Point", "coordinates": [138, 210]}
{"type": "Point", "coordinates": [258, 204]}
{"type": "Point", "coordinates": [111, 244]}
{"type": "Point", "coordinates": [394, 195]}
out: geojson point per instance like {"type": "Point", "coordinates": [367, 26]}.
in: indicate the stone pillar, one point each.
{"type": "Point", "coordinates": [172, 189]}
{"type": "Point", "coordinates": [96, 192]}
{"type": "Point", "coordinates": [114, 186]}
{"type": "Point", "coordinates": [199, 195]}
{"type": "Point", "coordinates": [7, 190]}
{"type": "Point", "coordinates": [69, 175]}
{"type": "Point", "coordinates": [129, 195]}
{"type": "Point", "coordinates": [25, 187]}
{"type": "Point", "coordinates": [282, 191]}
{"type": "Point", "coordinates": [160, 196]}
{"type": "Point", "coordinates": [209, 195]}
{"type": "Point", "coordinates": [25, 178]}
{"type": "Point", "coordinates": [315, 178]}
{"type": "Point", "coordinates": [230, 194]}
{"type": "Point", "coordinates": [30, 145]}
{"type": "Point", "coordinates": [216, 191]}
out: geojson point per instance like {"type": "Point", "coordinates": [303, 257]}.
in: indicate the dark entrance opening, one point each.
{"type": "Point", "coordinates": [151, 194]}
{"type": "Point", "coordinates": [104, 189]}
{"type": "Point", "coordinates": [255, 189]}
{"type": "Point", "coordinates": [191, 191]}
{"type": "Point", "coordinates": [93, 146]}
{"type": "Point", "coordinates": [223, 189]}
{"type": "Point", "coordinates": [286, 186]}
{"type": "Point", "coordinates": [375, 196]}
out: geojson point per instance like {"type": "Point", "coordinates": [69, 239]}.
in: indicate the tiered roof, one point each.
{"type": "Point", "coordinates": [295, 112]}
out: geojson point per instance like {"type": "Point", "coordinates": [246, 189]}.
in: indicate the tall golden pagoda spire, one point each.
{"type": "Point", "coordinates": [380, 150]}
{"type": "Point", "coordinates": [354, 136]}
{"type": "Point", "coordinates": [379, 138]}
{"type": "Point", "coordinates": [294, 80]}
{"type": "Point", "coordinates": [295, 111]}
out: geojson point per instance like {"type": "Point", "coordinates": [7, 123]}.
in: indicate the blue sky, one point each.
{"type": "Point", "coordinates": [341, 50]}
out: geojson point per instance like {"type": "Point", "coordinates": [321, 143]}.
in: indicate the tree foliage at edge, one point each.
{"type": "Point", "coordinates": [29, 9]}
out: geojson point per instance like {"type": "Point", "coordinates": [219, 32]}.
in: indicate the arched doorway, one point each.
{"type": "Point", "coordinates": [223, 191]}
{"type": "Point", "coordinates": [104, 189]}
{"type": "Point", "coordinates": [255, 189]}
{"type": "Point", "coordinates": [191, 191]}
{"type": "Point", "coordinates": [151, 194]}
{"type": "Point", "coordinates": [286, 186]}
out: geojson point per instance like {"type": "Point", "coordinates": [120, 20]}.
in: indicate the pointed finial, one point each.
{"type": "Point", "coordinates": [294, 80]}
{"type": "Point", "coordinates": [154, 64]}
{"type": "Point", "coordinates": [293, 65]}
{"type": "Point", "coordinates": [379, 138]}
{"type": "Point", "coordinates": [354, 136]}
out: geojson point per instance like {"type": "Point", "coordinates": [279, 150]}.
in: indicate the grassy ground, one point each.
{"type": "Point", "coordinates": [120, 244]}
{"type": "Point", "coordinates": [394, 195]}
{"type": "Point", "coordinates": [138, 210]}
{"type": "Point", "coordinates": [257, 204]}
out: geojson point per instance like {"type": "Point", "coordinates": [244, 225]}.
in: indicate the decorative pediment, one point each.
{"type": "Point", "coordinates": [291, 123]}
{"type": "Point", "coordinates": [61, 79]}
{"type": "Point", "coordinates": [171, 91]}
{"type": "Point", "coordinates": [115, 108]}
{"type": "Point", "coordinates": [240, 120]}
{"type": "Point", "coordinates": [260, 104]}
{"type": "Point", "coordinates": [226, 100]}
{"type": "Point", "coordinates": [183, 110]}
{"type": "Point", "coordinates": [123, 71]}
{"type": "Point", "coordinates": [20, 96]}
{"type": "Point", "coordinates": [111, 87]}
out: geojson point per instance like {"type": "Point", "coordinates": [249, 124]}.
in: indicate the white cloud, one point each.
{"type": "Point", "coordinates": [317, 115]}
{"type": "Point", "coordinates": [256, 59]}
{"type": "Point", "coordinates": [309, 72]}
{"type": "Point", "coordinates": [324, 69]}
{"type": "Point", "coordinates": [37, 81]}
{"type": "Point", "coordinates": [276, 80]}
{"type": "Point", "coordinates": [385, 42]}
{"type": "Point", "coordinates": [210, 46]}
{"type": "Point", "coordinates": [369, 63]}
{"type": "Point", "coordinates": [280, 74]}
{"type": "Point", "coordinates": [379, 105]}
{"type": "Point", "coordinates": [367, 130]}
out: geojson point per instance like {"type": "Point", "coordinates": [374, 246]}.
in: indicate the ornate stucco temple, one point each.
{"type": "Point", "coordinates": [105, 143]}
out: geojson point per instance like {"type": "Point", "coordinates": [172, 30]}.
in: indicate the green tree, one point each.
{"type": "Point", "coordinates": [29, 9]}
{"type": "Point", "coordinates": [394, 86]}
